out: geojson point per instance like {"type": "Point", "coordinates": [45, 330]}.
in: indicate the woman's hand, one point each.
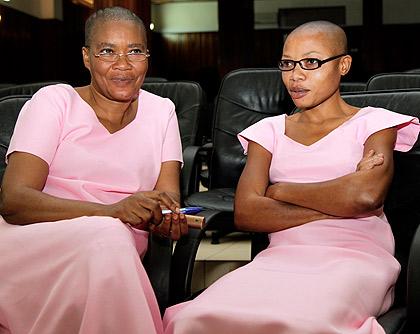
{"type": "Point", "coordinates": [173, 225]}
{"type": "Point", "coordinates": [371, 160]}
{"type": "Point", "coordinates": [143, 210]}
{"type": "Point", "coordinates": [137, 210]}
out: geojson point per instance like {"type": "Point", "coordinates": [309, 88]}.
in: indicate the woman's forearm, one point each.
{"type": "Point", "coordinates": [27, 206]}
{"type": "Point", "coordinates": [262, 214]}
{"type": "Point", "coordinates": [351, 195]}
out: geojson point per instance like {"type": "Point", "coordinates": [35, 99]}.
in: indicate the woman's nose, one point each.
{"type": "Point", "coordinates": [122, 61]}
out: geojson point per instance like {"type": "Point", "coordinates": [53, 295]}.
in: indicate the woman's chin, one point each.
{"type": "Point", "coordinates": [124, 96]}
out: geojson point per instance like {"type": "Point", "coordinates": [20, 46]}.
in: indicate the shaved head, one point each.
{"type": "Point", "coordinates": [335, 34]}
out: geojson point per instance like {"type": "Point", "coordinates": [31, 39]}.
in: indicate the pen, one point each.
{"type": "Point", "coordinates": [189, 210]}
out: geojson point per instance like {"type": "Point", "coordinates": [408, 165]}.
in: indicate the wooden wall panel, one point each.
{"type": "Point", "coordinates": [19, 54]}
{"type": "Point", "coordinates": [188, 56]}
{"type": "Point", "coordinates": [40, 50]}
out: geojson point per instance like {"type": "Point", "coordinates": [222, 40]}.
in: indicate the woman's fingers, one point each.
{"type": "Point", "coordinates": [173, 226]}
{"type": "Point", "coordinates": [183, 226]}
{"type": "Point", "coordinates": [370, 161]}
{"type": "Point", "coordinates": [169, 203]}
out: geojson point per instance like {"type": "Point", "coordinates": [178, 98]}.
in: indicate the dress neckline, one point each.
{"type": "Point", "coordinates": [325, 137]}
{"type": "Point", "coordinates": [98, 122]}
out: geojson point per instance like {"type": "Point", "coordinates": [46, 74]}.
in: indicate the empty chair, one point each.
{"type": "Point", "coordinates": [9, 110]}
{"type": "Point", "coordinates": [5, 84]}
{"type": "Point", "coordinates": [190, 105]}
{"type": "Point", "coordinates": [245, 97]}
{"type": "Point", "coordinates": [25, 89]}
{"type": "Point", "coordinates": [393, 81]}
{"type": "Point", "coordinates": [414, 70]}
{"type": "Point", "coordinates": [155, 79]}
{"type": "Point", "coordinates": [352, 86]}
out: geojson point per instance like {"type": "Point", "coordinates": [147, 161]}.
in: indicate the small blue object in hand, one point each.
{"type": "Point", "coordinates": [189, 210]}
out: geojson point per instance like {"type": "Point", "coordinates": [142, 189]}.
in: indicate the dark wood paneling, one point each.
{"type": "Point", "coordinates": [20, 52]}
{"type": "Point", "coordinates": [187, 56]}
{"type": "Point", "coordinates": [40, 50]}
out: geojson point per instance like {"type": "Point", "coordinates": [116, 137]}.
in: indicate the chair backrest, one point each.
{"type": "Point", "coordinates": [190, 104]}
{"type": "Point", "coordinates": [245, 97]}
{"type": "Point", "coordinates": [352, 86]}
{"type": "Point", "coordinates": [6, 84]}
{"type": "Point", "coordinates": [155, 79]}
{"type": "Point", "coordinates": [402, 203]}
{"type": "Point", "coordinates": [393, 81]}
{"type": "Point", "coordinates": [25, 89]}
{"type": "Point", "coordinates": [9, 110]}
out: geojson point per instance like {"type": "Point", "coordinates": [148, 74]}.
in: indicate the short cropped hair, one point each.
{"type": "Point", "coordinates": [336, 33]}
{"type": "Point", "coordinates": [111, 14]}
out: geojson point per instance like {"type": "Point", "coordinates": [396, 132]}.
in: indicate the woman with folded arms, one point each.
{"type": "Point", "coordinates": [316, 182]}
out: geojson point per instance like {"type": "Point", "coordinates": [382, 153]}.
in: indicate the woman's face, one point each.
{"type": "Point", "coordinates": [119, 80]}
{"type": "Point", "coordinates": [310, 88]}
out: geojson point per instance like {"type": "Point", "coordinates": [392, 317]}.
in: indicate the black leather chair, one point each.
{"type": "Point", "coordinates": [155, 79]}
{"type": "Point", "coordinates": [352, 86]}
{"type": "Point", "coordinates": [393, 81]}
{"type": "Point", "coordinates": [188, 98]}
{"type": "Point", "coordinates": [191, 105]}
{"type": "Point", "coordinates": [245, 97]}
{"type": "Point", "coordinates": [403, 213]}
{"type": "Point", "coordinates": [25, 89]}
{"type": "Point", "coordinates": [6, 84]}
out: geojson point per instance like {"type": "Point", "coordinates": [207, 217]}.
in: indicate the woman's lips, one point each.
{"type": "Point", "coordinates": [298, 93]}
{"type": "Point", "coordinates": [121, 80]}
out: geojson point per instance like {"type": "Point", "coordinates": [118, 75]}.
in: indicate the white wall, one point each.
{"type": "Point", "coordinates": [402, 11]}
{"type": "Point", "coordinates": [197, 16]}
{"type": "Point", "coordinates": [43, 9]}
{"type": "Point", "coordinates": [266, 10]}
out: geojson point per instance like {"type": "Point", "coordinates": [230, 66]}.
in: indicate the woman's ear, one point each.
{"type": "Point", "coordinates": [86, 60]}
{"type": "Point", "coordinates": [345, 64]}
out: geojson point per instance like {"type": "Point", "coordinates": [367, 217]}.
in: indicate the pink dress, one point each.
{"type": "Point", "coordinates": [324, 277]}
{"type": "Point", "coordinates": [84, 275]}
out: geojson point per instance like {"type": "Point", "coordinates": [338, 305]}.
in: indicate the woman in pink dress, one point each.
{"type": "Point", "coordinates": [316, 181]}
{"type": "Point", "coordinates": [89, 170]}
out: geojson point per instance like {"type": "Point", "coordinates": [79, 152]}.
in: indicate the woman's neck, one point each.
{"type": "Point", "coordinates": [334, 107]}
{"type": "Point", "coordinates": [114, 115]}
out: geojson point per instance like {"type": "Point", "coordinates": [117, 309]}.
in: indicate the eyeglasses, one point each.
{"type": "Point", "coordinates": [133, 56]}
{"type": "Point", "coordinates": [308, 64]}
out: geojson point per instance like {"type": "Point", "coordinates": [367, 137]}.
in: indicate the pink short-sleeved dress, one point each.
{"type": "Point", "coordinates": [327, 276]}
{"type": "Point", "coordinates": [84, 275]}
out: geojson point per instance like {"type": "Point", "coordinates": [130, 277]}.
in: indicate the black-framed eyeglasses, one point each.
{"type": "Point", "coordinates": [134, 56]}
{"type": "Point", "coordinates": [308, 64]}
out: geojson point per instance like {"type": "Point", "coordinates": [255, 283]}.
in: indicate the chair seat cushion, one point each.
{"type": "Point", "coordinates": [393, 321]}
{"type": "Point", "coordinates": [215, 199]}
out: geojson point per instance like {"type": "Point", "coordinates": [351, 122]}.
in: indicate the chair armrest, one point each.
{"type": "Point", "coordinates": [413, 283]}
{"type": "Point", "coordinates": [190, 173]}
{"type": "Point", "coordinates": [157, 262]}
{"type": "Point", "coordinates": [184, 256]}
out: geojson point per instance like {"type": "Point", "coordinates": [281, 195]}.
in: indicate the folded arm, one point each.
{"type": "Point", "coordinates": [254, 211]}
{"type": "Point", "coordinates": [354, 194]}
